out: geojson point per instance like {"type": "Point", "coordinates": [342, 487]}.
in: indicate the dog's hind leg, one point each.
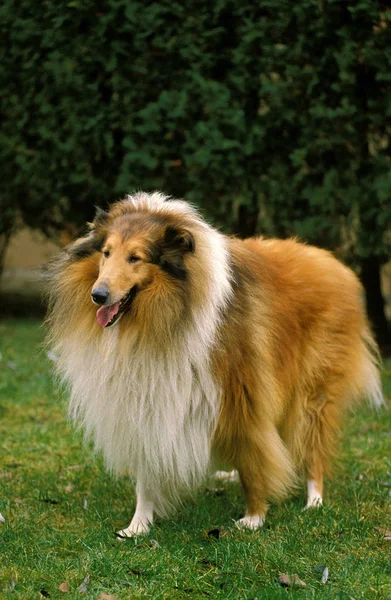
{"type": "Point", "coordinates": [315, 490]}
{"type": "Point", "coordinates": [266, 471]}
{"type": "Point", "coordinates": [255, 492]}
{"type": "Point", "coordinates": [143, 516]}
{"type": "Point", "coordinates": [324, 414]}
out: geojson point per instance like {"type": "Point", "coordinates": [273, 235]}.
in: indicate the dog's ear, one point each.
{"type": "Point", "coordinates": [100, 219]}
{"type": "Point", "coordinates": [84, 247]}
{"type": "Point", "coordinates": [178, 240]}
{"type": "Point", "coordinates": [92, 242]}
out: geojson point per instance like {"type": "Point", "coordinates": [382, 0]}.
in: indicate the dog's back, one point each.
{"type": "Point", "coordinates": [319, 305]}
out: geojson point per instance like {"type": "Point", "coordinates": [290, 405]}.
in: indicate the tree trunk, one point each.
{"type": "Point", "coordinates": [247, 221]}
{"type": "Point", "coordinates": [370, 278]}
{"type": "Point", "coordinates": [4, 240]}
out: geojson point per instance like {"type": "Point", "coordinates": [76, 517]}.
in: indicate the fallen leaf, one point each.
{"type": "Point", "coordinates": [104, 596]}
{"type": "Point", "coordinates": [18, 500]}
{"type": "Point", "coordinates": [325, 575]}
{"type": "Point", "coordinates": [155, 544]}
{"type": "Point", "coordinates": [63, 587]}
{"type": "Point", "coordinates": [68, 489]}
{"type": "Point", "coordinates": [2, 520]}
{"type": "Point", "coordinates": [83, 587]}
{"type": "Point", "coordinates": [49, 501]}
{"type": "Point", "coordinates": [385, 532]}
{"type": "Point", "coordinates": [214, 533]}
{"type": "Point", "coordinates": [85, 503]}
{"type": "Point", "coordinates": [290, 580]}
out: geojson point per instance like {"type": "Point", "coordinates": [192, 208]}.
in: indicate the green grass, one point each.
{"type": "Point", "coordinates": [62, 508]}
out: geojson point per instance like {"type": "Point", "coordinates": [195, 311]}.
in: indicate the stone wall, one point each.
{"type": "Point", "coordinates": [21, 282]}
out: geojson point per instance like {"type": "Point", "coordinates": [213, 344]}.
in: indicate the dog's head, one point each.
{"type": "Point", "coordinates": [138, 251]}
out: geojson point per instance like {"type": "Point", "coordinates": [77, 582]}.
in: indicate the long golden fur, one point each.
{"type": "Point", "coordinates": [207, 349]}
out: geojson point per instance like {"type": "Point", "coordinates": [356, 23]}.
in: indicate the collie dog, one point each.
{"type": "Point", "coordinates": [184, 349]}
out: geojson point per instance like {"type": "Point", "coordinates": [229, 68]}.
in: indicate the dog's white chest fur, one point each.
{"type": "Point", "coordinates": [152, 415]}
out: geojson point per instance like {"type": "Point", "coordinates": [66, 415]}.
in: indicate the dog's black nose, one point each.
{"type": "Point", "coordinates": [100, 295]}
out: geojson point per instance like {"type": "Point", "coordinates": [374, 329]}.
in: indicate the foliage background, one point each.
{"type": "Point", "coordinates": [271, 116]}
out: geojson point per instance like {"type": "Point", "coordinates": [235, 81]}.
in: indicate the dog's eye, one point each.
{"type": "Point", "coordinates": [132, 258]}
{"type": "Point", "coordinates": [106, 253]}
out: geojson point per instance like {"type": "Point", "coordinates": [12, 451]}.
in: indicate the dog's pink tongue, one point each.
{"type": "Point", "coordinates": [104, 314]}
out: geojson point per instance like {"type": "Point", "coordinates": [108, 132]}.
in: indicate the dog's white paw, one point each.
{"type": "Point", "coordinates": [227, 475]}
{"type": "Point", "coordinates": [314, 502]}
{"type": "Point", "coordinates": [134, 530]}
{"type": "Point", "coordinates": [253, 522]}
{"type": "Point", "coordinates": [314, 494]}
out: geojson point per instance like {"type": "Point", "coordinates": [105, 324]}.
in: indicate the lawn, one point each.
{"type": "Point", "coordinates": [61, 510]}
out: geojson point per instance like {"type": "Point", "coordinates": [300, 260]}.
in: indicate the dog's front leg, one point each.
{"type": "Point", "coordinates": [143, 516]}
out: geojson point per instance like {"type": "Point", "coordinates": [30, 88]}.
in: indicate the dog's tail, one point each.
{"type": "Point", "coordinates": [370, 370]}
